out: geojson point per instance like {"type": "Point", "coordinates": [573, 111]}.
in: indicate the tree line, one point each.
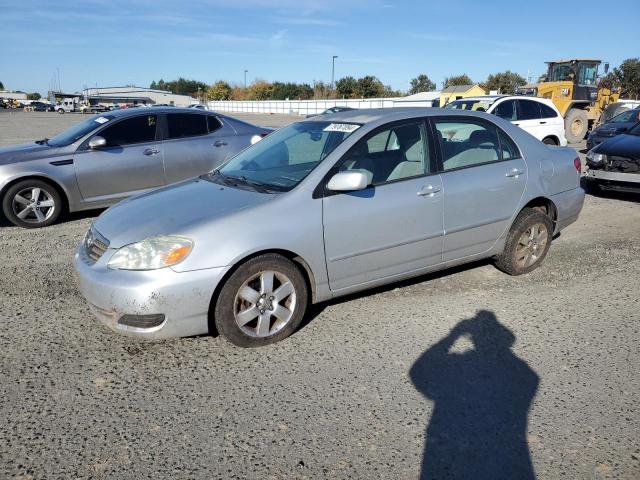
{"type": "Point", "coordinates": [625, 78]}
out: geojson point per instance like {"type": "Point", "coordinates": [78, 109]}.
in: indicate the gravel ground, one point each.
{"type": "Point", "coordinates": [345, 396]}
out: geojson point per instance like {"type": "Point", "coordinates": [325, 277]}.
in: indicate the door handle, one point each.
{"type": "Point", "coordinates": [542, 123]}
{"type": "Point", "coordinates": [428, 190]}
{"type": "Point", "coordinates": [514, 172]}
{"type": "Point", "coordinates": [220, 143]}
{"type": "Point", "coordinates": [151, 151]}
{"type": "Point", "coordinates": [516, 124]}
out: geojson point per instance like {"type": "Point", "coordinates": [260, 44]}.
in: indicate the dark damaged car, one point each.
{"type": "Point", "coordinates": [615, 163]}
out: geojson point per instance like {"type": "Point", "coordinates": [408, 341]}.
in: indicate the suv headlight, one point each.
{"type": "Point", "coordinates": [596, 158]}
{"type": "Point", "coordinates": [151, 253]}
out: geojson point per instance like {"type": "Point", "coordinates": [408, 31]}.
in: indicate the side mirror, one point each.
{"type": "Point", "coordinates": [348, 181]}
{"type": "Point", "coordinates": [97, 142]}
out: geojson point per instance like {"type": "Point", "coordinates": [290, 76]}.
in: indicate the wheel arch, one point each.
{"type": "Point", "coordinates": [303, 265]}
{"type": "Point", "coordinates": [64, 195]}
{"type": "Point", "coordinates": [544, 205]}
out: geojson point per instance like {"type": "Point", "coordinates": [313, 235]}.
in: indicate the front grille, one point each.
{"type": "Point", "coordinates": [94, 246]}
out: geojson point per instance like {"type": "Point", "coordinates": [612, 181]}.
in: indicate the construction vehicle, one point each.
{"type": "Point", "coordinates": [572, 85]}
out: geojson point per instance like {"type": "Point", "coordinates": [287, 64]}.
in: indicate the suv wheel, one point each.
{"type": "Point", "coordinates": [527, 243]}
{"type": "Point", "coordinates": [32, 204]}
{"type": "Point", "coordinates": [262, 302]}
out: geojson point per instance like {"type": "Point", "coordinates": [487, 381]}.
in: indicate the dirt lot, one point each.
{"type": "Point", "coordinates": [352, 394]}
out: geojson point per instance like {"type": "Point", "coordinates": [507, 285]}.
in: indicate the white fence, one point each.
{"type": "Point", "coordinates": [308, 107]}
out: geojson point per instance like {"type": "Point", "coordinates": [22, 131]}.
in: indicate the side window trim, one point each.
{"type": "Point", "coordinates": [453, 118]}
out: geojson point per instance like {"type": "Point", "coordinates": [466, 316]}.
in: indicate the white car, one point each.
{"type": "Point", "coordinates": [538, 116]}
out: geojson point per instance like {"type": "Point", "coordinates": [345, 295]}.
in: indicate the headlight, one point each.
{"type": "Point", "coordinates": [596, 157]}
{"type": "Point", "coordinates": [151, 253]}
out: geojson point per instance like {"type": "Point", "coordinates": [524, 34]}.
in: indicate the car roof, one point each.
{"type": "Point", "coordinates": [123, 112]}
{"type": "Point", "coordinates": [383, 115]}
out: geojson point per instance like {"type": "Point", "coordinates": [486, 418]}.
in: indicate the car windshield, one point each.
{"type": "Point", "coordinates": [282, 159]}
{"type": "Point", "coordinates": [628, 116]}
{"type": "Point", "coordinates": [79, 130]}
{"type": "Point", "coordinates": [470, 104]}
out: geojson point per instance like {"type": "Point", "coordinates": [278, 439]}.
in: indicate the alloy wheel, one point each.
{"type": "Point", "coordinates": [531, 245]}
{"type": "Point", "coordinates": [33, 205]}
{"type": "Point", "coordinates": [265, 303]}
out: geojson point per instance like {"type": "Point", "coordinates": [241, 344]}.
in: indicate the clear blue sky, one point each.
{"type": "Point", "coordinates": [115, 42]}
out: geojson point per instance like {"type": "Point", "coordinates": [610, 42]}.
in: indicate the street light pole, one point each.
{"type": "Point", "coordinates": [245, 78]}
{"type": "Point", "coordinates": [333, 70]}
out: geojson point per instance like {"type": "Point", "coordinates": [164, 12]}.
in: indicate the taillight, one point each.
{"type": "Point", "coordinates": [578, 164]}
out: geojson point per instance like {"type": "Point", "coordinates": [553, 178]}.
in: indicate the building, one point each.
{"type": "Point", "coordinates": [6, 95]}
{"type": "Point", "coordinates": [135, 95]}
{"type": "Point", "coordinates": [457, 92]}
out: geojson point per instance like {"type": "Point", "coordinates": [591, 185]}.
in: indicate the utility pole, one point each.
{"type": "Point", "coordinates": [245, 78]}
{"type": "Point", "coordinates": [333, 70]}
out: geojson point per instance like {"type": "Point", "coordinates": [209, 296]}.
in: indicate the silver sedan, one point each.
{"type": "Point", "coordinates": [112, 156]}
{"type": "Point", "coordinates": [323, 208]}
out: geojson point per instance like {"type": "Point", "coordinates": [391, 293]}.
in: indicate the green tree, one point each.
{"type": "Point", "coordinates": [369, 87]}
{"type": "Point", "coordinates": [219, 91]}
{"type": "Point", "coordinates": [346, 87]}
{"type": "Point", "coordinates": [628, 77]}
{"type": "Point", "coordinates": [33, 96]}
{"type": "Point", "coordinates": [390, 92]}
{"type": "Point", "coordinates": [457, 80]}
{"type": "Point", "coordinates": [282, 91]}
{"type": "Point", "coordinates": [1, 86]}
{"type": "Point", "coordinates": [153, 85]}
{"type": "Point", "coordinates": [504, 82]}
{"type": "Point", "coordinates": [260, 90]}
{"type": "Point", "coordinates": [422, 83]}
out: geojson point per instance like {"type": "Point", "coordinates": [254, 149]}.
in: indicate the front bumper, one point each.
{"type": "Point", "coordinates": [182, 297]}
{"type": "Point", "coordinates": [613, 176]}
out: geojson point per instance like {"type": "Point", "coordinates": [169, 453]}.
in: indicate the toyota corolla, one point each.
{"type": "Point", "coordinates": [322, 208]}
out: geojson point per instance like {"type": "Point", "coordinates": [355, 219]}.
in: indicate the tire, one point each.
{"type": "Point", "coordinates": [550, 141]}
{"type": "Point", "coordinates": [576, 124]}
{"type": "Point", "coordinates": [19, 208]}
{"type": "Point", "coordinates": [249, 319]}
{"type": "Point", "coordinates": [61, 111]}
{"type": "Point", "coordinates": [519, 243]}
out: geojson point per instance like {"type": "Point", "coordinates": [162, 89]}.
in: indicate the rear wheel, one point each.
{"type": "Point", "coordinates": [576, 124]}
{"type": "Point", "coordinates": [262, 302]}
{"type": "Point", "coordinates": [550, 141]}
{"type": "Point", "coordinates": [60, 111]}
{"type": "Point", "coordinates": [527, 243]}
{"type": "Point", "coordinates": [32, 204]}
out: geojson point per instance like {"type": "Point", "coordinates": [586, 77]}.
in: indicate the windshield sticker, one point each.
{"type": "Point", "coordinates": [341, 127]}
{"type": "Point", "coordinates": [101, 120]}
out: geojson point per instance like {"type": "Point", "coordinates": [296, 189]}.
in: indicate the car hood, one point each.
{"type": "Point", "coordinates": [610, 129]}
{"type": "Point", "coordinates": [25, 153]}
{"type": "Point", "coordinates": [622, 146]}
{"type": "Point", "coordinates": [173, 210]}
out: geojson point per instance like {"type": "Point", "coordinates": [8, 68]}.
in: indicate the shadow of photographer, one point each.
{"type": "Point", "coordinates": [481, 397]}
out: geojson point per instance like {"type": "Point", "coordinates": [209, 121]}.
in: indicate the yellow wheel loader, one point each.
{"type": "Point", "coordinates": [572, 85]}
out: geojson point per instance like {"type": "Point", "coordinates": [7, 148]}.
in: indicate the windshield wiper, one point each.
{"type": "Point", "coordinates": [44, 141]}
{"type": "Point", "coordinates": [241, 179]}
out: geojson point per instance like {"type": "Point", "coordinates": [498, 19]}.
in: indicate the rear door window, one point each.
{"type": "Point", "coordinates": [138, 129]}
{"type": "Point", "coordinates": [546, 111]}
{"type": "Point", "coordinates": [506, 110]}
{"type": "Point", "coordinates": [528, 110]}
{"type": "Point", "coordinates": [182, 125]}
{"type": "Point", "coordinates": [213, 123]}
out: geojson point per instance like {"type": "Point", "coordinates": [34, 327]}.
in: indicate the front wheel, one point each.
{"type": "Point", "coordinates": [32, 204]}
{"type": "Point", "coordinates": [60, 111]}
{"type": "Point", "coordinates": [262, 302]}
{"type": "Point", "coordinates": [527, 243]}
{"type": "Point", "coordinates": [550, 141]}
{"type": "Point", "coordinates": [576, 124]}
